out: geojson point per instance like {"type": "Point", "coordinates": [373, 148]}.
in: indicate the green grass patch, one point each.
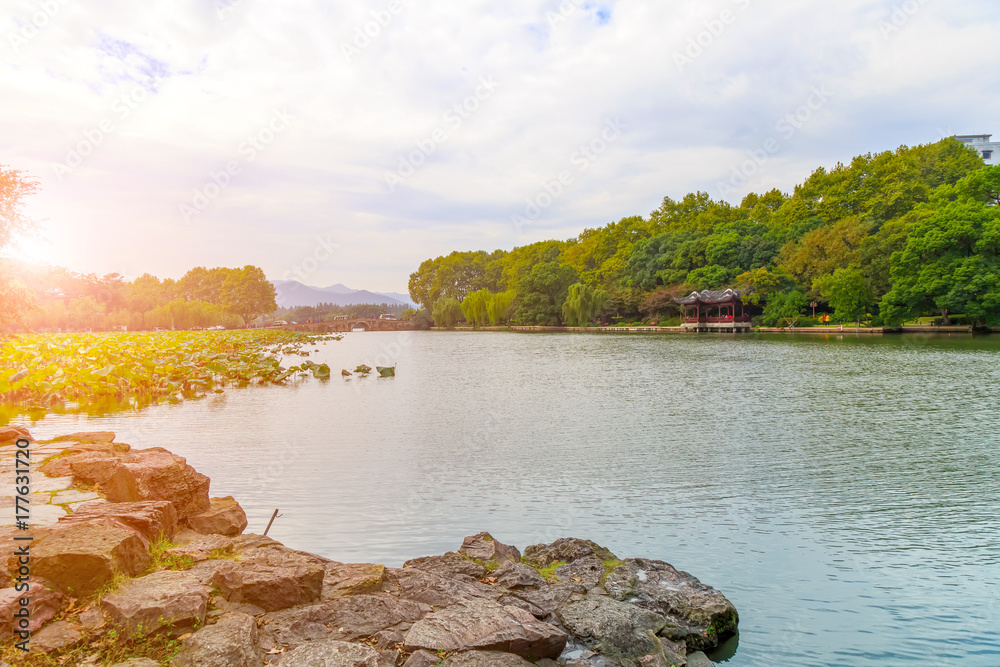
{"type": "Point", "coordinates": [549, 571]}
{"type": "Point", "coordinates": [110, 647]}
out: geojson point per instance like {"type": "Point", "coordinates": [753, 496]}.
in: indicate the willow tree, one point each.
{"type": "Point", "coordinates": [475, 307]}
{"type": "Point", "coordinates": [447, 312]}
{"type": "Point", "coordinates": [498, 307]}
{"type": "Point", "coordinates": [582, 304]}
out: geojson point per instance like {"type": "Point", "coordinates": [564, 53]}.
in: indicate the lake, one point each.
{"type": "Point", "coordinates": [844, 492]}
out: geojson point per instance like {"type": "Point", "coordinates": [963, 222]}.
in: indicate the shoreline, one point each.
{"type": "Point", "coordinates": [822, 330]}
{"type": "Point", "coordinates": [128, 562]}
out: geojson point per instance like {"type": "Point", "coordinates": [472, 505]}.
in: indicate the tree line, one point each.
{"type": "Point", "coordinates": [888, 238]}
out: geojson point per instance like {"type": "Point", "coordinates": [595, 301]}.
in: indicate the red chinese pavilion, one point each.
{"type": "Point", "coordinates": [715, 311]}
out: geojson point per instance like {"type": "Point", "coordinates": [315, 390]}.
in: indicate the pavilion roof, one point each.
{"type": "Point", "coordinates": [710, 297]}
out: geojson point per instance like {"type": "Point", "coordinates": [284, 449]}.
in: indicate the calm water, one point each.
{"type": "Point", "coordinates": [844, 494]}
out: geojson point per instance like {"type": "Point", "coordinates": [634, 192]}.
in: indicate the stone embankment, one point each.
{"type": "Point", "coordinates": [134, 550]}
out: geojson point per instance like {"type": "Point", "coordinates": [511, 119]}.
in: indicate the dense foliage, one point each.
{"type": "Point", "coordinates": [68, 372]}
{"type": "Point", "coordinates": [889, 237]}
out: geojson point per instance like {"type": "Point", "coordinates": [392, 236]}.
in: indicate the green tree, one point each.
{"type": "Point", "coordinates": [951, 264]}
{"type": "Point", "coordinates": [785, 308]}
{"type": "Point", "coordinates": [847, 291]}
{"type": "Point", "coordinates": [248, 293]}
{"type": "Point", "coordinates": [447, 312]}
{"type": "Point", "coordinates": [759, 285]}
{"type": "Point", "coordinates": [583, 302]}
{"type": "Point", "coordinates": [475, 307]}
{"type": "Point", "coordinates": [541, 294]}
{"type": "Point", "coordinates": [498, 307]}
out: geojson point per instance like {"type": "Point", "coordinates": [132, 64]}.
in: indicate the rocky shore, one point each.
{"type": "Point", "coordinates": [133, 563]}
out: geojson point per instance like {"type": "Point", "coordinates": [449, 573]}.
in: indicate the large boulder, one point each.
{"type": "Point", "coordinates": [352, 578]}
{"type": "Point", "coordinates": [43, 604]}
{"type": "Point", "coordinates": [203, 548]}
{"type": "Point", "coordinates": [156, 474]}
{"type": "Point", "coordinates": [55, 636]}
{"type": "Point", "coordinates": [437, 590]}
{"type": "Point", "coordinates": [342, 618]}
{"type": "Point", "coordinates": [485, 659]}
{"type": "Point", "coordinates": [546, 599]}
{"type": "Point", "coordinates": [483, 547]}
{"type": "Point", "coordinates": [487, 626]}
{"type": "Point", "coordinates": [615, 629]}
{"type": "Point", "coordinates": [567, 549]}
{"type": "Point", "coordinates": [447, 565]}
{"type": "Point", "coordinates": [150, 519]}
{"type": "Point", "coordinates": [80, 558]}
{"type": "Point", "coordinates": [518, 575]}
{"type": "Point", "coordinates": [272, 580]}
{"type": "Point", "coordinates": [169, 598]}
{"type": "Point", "coordinates": [331, 653]}
{"type": "Point", "coordinates": [230, 642]}
{"type": "Point", "coordinates": [695, 613]}
{"type": "Point", "coordinates": [223, 517]}
{"type": "Point", "coordinates": [11, 434]}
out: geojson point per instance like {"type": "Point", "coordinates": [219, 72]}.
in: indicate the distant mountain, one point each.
{"type": "Point", "coordinates": [292, 293]}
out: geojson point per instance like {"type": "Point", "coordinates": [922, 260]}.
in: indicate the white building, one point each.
{"type": "Point", "coordinates": [990, 150]}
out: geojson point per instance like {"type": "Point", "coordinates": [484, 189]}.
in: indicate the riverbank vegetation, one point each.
{"type": "Point", "coordinates": [888, 238]}
{"type": "Point", "coordinates": [101, 372]}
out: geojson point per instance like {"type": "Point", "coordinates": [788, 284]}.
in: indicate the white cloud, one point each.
{"type": "Point", "coordinates": [560, 77]}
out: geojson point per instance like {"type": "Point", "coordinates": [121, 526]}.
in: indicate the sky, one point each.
{"type": "Point", "coordinates": [346, 142]}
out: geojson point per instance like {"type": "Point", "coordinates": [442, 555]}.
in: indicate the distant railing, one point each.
{"type": "Point", "coordinates": [716, 320]}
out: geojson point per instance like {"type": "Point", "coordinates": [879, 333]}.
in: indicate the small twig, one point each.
{"type": "Point", "coordinates": [273, 517]}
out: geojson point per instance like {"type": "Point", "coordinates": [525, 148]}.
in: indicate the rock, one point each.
{"type": "Point", "coordinates": [484, 548]}
{"type": "Point", "coordinates": [87, 468]}
{"type": "Point", "coordinates": [548, 598]}
{"type": "Point", "coordinates": [448, 565]}
{"type": "Point", "coordinates": [92, 619]}
{"type": "Point", "coordinates": [518, 575]}
{"type": "Point", "coordinates": [11, 434]}
{"type": "Point", "coordinates": [168, 598]}
{"type": "Point", "coordinates": [55, 636]}
{"type": "Point", "coordinates": [135, 662]}
{"type": "Point", "coordinates": [666, 654]}
{"type": "Point", "coordinates": [438, 591]}
{"type": "Point", "coordinates": [272, 581]}
{"type": "Point", "coordinates": [201, 549]}
{"type": "Point", "coordinates": [44, 603]}
{"type": "Point", "coordinates": [566, 549]}
{"type": "Point", "coordinates": [156, 474]}
{"type": "Point", "coordinates": [615, 629]}
{"type": "Point", "coordinates": [695, 613]}
{"type": "Point", "coordinates": [230, 642]}
{"type": "Point", "coordinates": [223, 517]}
{"type": "Point", "coordinates": [331, 653]}
{"type": "Point", "coordinates": [422, 658]}
{"type": "Point", "coordinates": [149, 519]}
{"type": "Point", "coordinates": [343, 579]}
{"type": "Point", "coordinates": [342, 618]}
{"type": "Point", "coordinates": [485, 659]}
{"type": "Point", "coordinates": [79, 559]}
{"type": "Point", "coordinates": [488, 626]}
{"type": "Point", "coordinates": [86, 436]}
{"type": "Point", "coordinates": [587, 571]}
{"type": "Point", "coordinates": [699, 659]}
